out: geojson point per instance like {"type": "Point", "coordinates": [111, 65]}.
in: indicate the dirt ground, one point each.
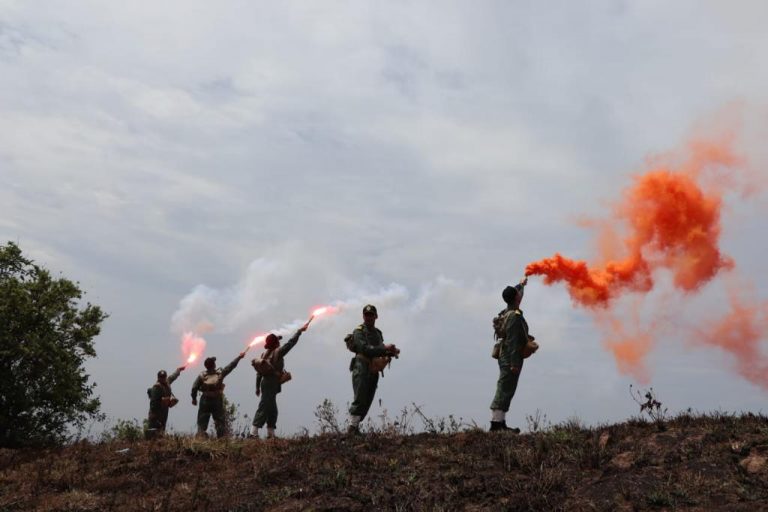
{"type": "Point", "coordinates": [715, 462]}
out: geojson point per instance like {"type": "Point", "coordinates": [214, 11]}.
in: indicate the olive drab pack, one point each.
{"type": "Point", "coordinates": [264, 364]}
{"type": "Point", "coordinates": [212, 382]}
{"type": "Point", "coordinates": [530, 348]}
{"type": "Point", "coordinates": [500, 323]}
{"type": "Point", "coordinates": [349, 341]}
{"type": "Point", "coordinates": [499, 326]}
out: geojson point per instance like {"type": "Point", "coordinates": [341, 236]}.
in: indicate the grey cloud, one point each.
{"type": "Point", "coordinates": [146, 150]}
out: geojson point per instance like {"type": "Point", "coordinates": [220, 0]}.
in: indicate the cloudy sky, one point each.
{"type": "Point", "coordinates": [268, 157]}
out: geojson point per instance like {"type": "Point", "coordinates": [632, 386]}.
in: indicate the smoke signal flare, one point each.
{"type": "Point", "coordinates": [324, 311]}
{"type": "Point", "coordinates": [670, 221]}
{"type": "Point", "coordinates": [192, 347]}
{"type": "Point", "coordinates": [669, 218]}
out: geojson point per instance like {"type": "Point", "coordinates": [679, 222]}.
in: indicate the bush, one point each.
{"type": "Point", "coordinates": [45, 338]}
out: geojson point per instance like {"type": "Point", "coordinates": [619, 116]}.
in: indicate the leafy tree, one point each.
{"type": "Point", "coordinates": [45, 338]}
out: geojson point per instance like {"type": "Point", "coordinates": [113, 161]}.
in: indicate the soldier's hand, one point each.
{"type": "Point", "coordinates": [304, 327]}
{"type": "Point", "coordinates": [194, 401]}
{"type": "Point", "coordinates": [393, 350]}
{"type": "Point", "coordinates": [181, 368]}
{"type": "Point", "coordinates": [242, 354]}
{"type": "Point", "coordinates": [258, 392]}
{"type": "Point", "coordinates": [524, 281]}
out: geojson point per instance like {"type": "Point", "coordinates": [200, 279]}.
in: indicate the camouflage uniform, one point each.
{"type": "Point", "coordinates": [158, 411]}
{"type": "Point", "coordinates": [368, 343]}
{"type": "Point", "coordinates": [212, 399]}
{"type": "Point", "coordinates": [270, 385]}
{"type": "Point", "coordinates": [511, 356]}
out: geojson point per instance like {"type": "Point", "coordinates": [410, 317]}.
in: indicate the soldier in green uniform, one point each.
{"type": "Point", "coordinates": [210, 383]}
{"type": "Point", "coordinates": [160, 399]}
{"type": "Point", "coordinates": [368, 344]}
{"type": "Point", "coordinates": [270, 382]}
{"type": "Point", "coordinates": [514, 337]}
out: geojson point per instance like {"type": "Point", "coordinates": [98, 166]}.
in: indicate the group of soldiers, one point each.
{"type": "Point", "coordinates": [371, 355]}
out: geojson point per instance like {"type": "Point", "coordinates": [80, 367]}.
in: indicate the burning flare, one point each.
{"type": "Point", "coordinates": [324, 310]}
{"type": "Point", "coordinates": [258, 340]}
{"type": "Point", "coordinates": [192, 346]}
{"type": "Point", "coordinates": [316, 313]}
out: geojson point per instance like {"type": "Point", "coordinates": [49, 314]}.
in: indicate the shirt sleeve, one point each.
{"type": "Point", "coordinates": [231, 366]}
{"type": "Point", "coordinates": [196, 387]}
{"type": "Point", "coordinates": [175, 375]}
{"type": "Point", "coordinates": [286, 347]}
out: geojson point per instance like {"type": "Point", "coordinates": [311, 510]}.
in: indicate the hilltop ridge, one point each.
{"type": "Point", "coordinates": [706, 462]}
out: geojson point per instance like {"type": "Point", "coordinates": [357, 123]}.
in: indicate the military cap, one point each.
{"type": "Point", "coordinates": [509, 294]}
{"type": "Point", "coordinates": [370, 309]}
{"type": "Point", "coordinates": [271, 340]}
{"type": "Point", "coordinates": [210, 362]}
{"type": "Point", "coordinates": [161, 374]}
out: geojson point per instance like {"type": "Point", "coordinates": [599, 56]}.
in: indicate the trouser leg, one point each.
{"type": "Point", "coordinates": [260, 418]}
{"type": "Point", "coordinates": [163, 418]}
{"type": "Point", "coordinates": [153, 425]}
{"type": "Point", "coordinates": [219, 417]}
{"type": "Point", "coordinates": [267, 411]}
{"type": "Point", "coordinates": [505, 388]}
{"type": "Point", "coordinates": [272, 412]}
{"type": "Point", "coordinates": [203, 416]}
{"type": "Point", "coordinates": [364, 385]}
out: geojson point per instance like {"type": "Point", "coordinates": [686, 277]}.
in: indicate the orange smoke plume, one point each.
{"type": "Point", "coordinates": [671, 222]}
{"type": "Point", "coordinates": [739, 332]}
{"type": "Point", "coordinates": [670, 218]}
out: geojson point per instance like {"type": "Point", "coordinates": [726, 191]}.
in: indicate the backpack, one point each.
{"type": "Point", "coordinates": [263, 364]}
{"type": "Point", "coordinates": [499, 324]}
{"type": "Point", "coordinates": [349, 341]}
{"type": "Point", "coordinates": [212, 381]}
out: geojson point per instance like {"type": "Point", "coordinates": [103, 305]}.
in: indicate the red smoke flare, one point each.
{"type": "Point", "coordinates": [257, 340]}
{"type": "Point", "coordinates": [324, 310]}
{"type": "Point", "coordinates": [192, 347]}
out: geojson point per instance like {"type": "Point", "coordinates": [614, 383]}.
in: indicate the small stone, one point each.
{"type": "Point", "coordinates": [623, 460]}
{"type": "Point", "coordinates": [754, 463]}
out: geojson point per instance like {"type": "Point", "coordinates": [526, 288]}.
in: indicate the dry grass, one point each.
{"type": "Point", "coordinates": [693, 464]}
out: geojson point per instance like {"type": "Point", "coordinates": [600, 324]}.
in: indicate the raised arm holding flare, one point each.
{"type": "Point", "coordinates": [210, 384]}
{"type": "Point", "coordinates": [270, 377]}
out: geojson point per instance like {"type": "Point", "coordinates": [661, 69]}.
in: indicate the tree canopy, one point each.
{"type": "Point", "coordinates": [45, 337]}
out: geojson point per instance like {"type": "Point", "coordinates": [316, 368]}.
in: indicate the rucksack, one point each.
{"type": "Point", "coordinates": [212, 381]}
{"type": "Point", "coordinates": [499, 323]}
{"type": "Point", "coordinates": [263, 364]}
{"type": "Point", "coordinates": [349, 341]}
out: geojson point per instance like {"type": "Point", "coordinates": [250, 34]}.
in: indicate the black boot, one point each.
{"type": "Point", "coordinates": [502, 426]}
{"type": "Point", "coordinates": [496, 425]}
